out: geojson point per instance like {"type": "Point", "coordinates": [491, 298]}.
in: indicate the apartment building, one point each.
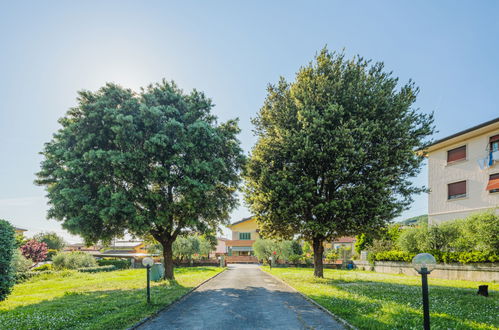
{"type": "Point", "coordinates": [463, 173]}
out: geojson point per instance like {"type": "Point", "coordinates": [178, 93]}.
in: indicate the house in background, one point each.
{"type": "Point", "coordinates": [240, 247]}
{"type": "Point", "coordinates": [220, 249]}
{"type": "Point", "coordinates": [347, 243]}
{"type": "Point", "coordinates": [20, 231]}
{"type": "Point", "coordinates": [463, 173]}
{"type": "Point", "coordinates": [93, 249]}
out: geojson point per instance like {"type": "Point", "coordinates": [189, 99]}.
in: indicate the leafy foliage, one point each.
{"type": "Point", "coordinates": [43, 268]}
{"type": "Point", "coordinates": [34, 250]}
{"type": "Point", "coordinates": [278, 250]}
{"type": "Point", "coordinates": [155, 162]}
{"type": "Point", "coordinates": [20, 240]}
{"type": "Point", "coordinates": [335, 151]}
{"type": "Point", "coordinates": [97, 269]}
{"type": "Point", "coordinates": [21, 266]}
{"type": "Point", "coordinates": [478, 232]}
{"type": "Point", "coordinates": [118, 263]}
{"type": "Point", "coordinates": [53, 241]}
{"type": "Point", "coordinates": [7, 246]}
{"type": "Point", "coordinates": [73, 260]}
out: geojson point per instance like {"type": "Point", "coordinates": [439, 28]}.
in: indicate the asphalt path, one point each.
{"type": "Point", "coordinates": [242, 297]}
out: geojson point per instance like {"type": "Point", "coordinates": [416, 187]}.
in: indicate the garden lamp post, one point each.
{"type": "Point", "coordinates": [270, 263]}
{"type": "Point", "coordinates": [424, 263]}
{"type": "Point", "coordinates": [148, 262]}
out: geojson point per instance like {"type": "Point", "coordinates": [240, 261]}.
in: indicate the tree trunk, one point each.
{"type": "Point", "coordinates": [318, 252]}
{"type": "Point", "coordinates": [168, 259]}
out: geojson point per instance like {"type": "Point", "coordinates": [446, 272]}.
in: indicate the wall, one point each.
{"type": "Point", "coordinates": [440, 174]}
{"type": "Point", "coordinates": [249, 226]}
{"type": "Point", "coordinates": [472, 272]}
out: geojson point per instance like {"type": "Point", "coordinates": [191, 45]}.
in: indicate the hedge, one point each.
{"type": "Point", "coordinates": [98, 269]}
{"type": "Point", "coordinates": [7, 246]}
{"type": "Point", "coordinates": [444, 257]}
{"type": "Point", "coordinates": [118, 263]}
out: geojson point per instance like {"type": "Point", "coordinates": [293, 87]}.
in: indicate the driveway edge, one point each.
{"type": "Point", "coordinates": [153, 315]}
{"type": "Point", "coordinates": [324, 309]}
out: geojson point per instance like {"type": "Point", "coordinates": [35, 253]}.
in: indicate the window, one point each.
{"type": "Point", "coordinates": [494, 143]}
{"type": "Point", "coordinates": [493, 185]}
{"type": "Point", "coordinates": [244, 236]}
{"type": "Point", "coordinates": [456, 190]}
{"type": "Point", "coordinates": [456, 154]}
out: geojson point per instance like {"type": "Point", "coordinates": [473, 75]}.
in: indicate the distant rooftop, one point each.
{"type": "Point", "coordinates": [241, 221]}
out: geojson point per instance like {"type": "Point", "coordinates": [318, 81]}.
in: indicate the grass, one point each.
{"type": "Point", "coordinates": [371, 300]}
{"type": "Point", "coordinates": [108, 300]}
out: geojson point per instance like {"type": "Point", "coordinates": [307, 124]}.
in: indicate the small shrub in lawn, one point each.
{"type": "Point", "coordinates": [98, 269]}
{"type": "Point", "coordinates": [118, 263]}
{"type": "Point", "coordinates": [43, 268]}
{"type": "Point", "coordinates": [20, 265]}
{"type": "Point", "coordinates": [73, 260]}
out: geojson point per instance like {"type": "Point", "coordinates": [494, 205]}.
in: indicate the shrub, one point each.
{"type": "Point", "coordinates": [445, 257]}
{"type": "Point", "coordinates": [97, 269]}
{"type": "Point", "coordinates": [53, 241]}
{"type": "Point", "coordinates": [43, 268]}
{"type": "Point", "coordinates": [51, 253]}
{"type": "Point", "coordinates": [73, 260]}
{"type": "Point", "coordinates": [34, 250]}
{"type": "Point", "coordinates": [20, 265]}
{"type": "Point", "coordinates": [118, 263]}
{"type": "Point", "coordinates": [295, 259]}
{"type": "Point", "coordinates": [7, 247]}
{"type": "Point", "coordinates": [331, 255]}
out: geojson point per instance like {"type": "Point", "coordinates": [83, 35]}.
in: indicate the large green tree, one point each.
{"type": "Point", "coordinates": [335, 153]}
{"type": "Point", "coordinates": [155, 162]}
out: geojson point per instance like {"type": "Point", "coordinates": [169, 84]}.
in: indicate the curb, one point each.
{"type": "Point", "coordinates": [337, 318]}
{"type": "Point", "coordinates": [153, 315]}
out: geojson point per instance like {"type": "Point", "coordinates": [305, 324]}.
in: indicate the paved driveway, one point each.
{"type": "Point", "coordinates": [243, 297]}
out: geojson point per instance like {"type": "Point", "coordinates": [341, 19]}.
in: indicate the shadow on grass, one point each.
{"type": "Point", "coordinates": [381, 305]}
{"type": "Point", "coordinates": [111, 309]}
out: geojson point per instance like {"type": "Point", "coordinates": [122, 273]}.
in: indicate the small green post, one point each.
{"type": "Point", "coordinates": [148, 284]}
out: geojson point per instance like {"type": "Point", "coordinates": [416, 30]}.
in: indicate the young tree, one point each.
{"type": "Point", "coordinates": [53, 241]}
{"type": "Point", "coordinates": [34, 250]}
{"type": "Point", "coordinates": [155, 162]}
{"type": "Point", "coordinates": [335, 153]}
{"type": "Point", "coordinates": [7, 247]}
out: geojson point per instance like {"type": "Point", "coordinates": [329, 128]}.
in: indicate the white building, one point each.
{"type": "Point", "coordinates": [463, 173]}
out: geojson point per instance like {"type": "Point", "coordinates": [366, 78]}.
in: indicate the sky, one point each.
{"type": "Point", "coordinates": [231, 50]}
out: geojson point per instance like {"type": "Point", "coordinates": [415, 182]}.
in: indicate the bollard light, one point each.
{"type": "Point", "coordinates": [270, 262]}
{"type": "Point", "coordinates": [148, 262]}
{"type": "Point", "coordinates": [424, 263]}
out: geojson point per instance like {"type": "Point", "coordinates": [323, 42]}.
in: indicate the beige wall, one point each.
{"type": "Point", "coordinates": [440, 174]}
{"type": "Point", "coordinates": [249, 226]}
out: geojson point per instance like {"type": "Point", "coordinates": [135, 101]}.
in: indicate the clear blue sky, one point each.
{"type": "Point", "coordinates": [230, 50]}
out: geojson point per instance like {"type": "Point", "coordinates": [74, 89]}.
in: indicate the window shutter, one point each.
{"type": "Point", "coordinates": [493, 184]}
{"type": "Point", "coordinates": [457, 189]}
{"type": "Point", "coordinates": [456, 154]}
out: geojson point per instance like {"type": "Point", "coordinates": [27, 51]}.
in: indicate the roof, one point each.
{"type": "Point", "coordinates": [21, 229]}
{"type": "Point", "coordinates": [241, 221]}
{"type": "Point", "coordinates": [466, 131]}
{"type": "Point", "coordinates": [345, 240]}
{"type": "Point", "coordinates": [237, 242]}
{"type": "Point", "coordinates": [125, 244]}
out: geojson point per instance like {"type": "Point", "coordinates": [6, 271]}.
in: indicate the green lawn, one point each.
{"type": "Point", "coordinates": [371, 300]}
{"type": "Point", "coordinates": [108, 300]}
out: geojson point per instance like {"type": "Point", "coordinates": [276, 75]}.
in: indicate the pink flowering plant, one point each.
{"type": "Point", "coordinates": [34, 250]}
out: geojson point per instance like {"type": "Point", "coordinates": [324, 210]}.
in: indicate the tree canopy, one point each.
{"type": "Point", "coordinates": [53, 241]}
{"type": "Point", "coordinates": [155, 162]}
{"type": "Point", "coordinates": [335, 152]}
